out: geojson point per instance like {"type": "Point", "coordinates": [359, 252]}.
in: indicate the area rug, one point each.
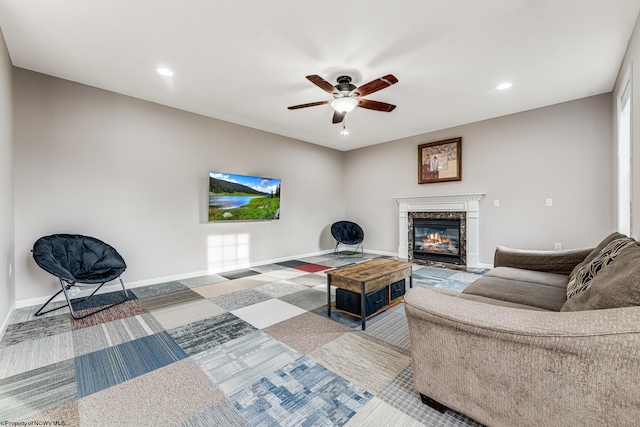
{"type": "Point", "coordinates": [252, 347]}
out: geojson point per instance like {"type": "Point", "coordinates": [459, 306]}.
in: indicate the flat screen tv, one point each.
{"type": "Point", "coordinates": [243, 197]}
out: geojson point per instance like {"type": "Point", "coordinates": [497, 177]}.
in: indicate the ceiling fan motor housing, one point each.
{"type": "Point", "coordinates": [344, 85]}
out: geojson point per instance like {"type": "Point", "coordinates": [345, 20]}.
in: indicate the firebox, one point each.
{"type": "Point", "coordinates": [437, 240]}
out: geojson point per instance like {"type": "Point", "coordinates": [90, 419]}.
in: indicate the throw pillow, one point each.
{"type": "Point", "coordinates": [583, 277]}
{"type": "Point", "coordinates": [617, 285]}
{"type": "Point", "coordinates": [594, 253]}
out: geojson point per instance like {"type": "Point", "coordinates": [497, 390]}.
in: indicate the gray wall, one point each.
{"type": "Point", "coordinates": [7, 287]}
{"type": "Point", "coordinates": [631, 62]}
{"type": "Point", "coordinates": [562, 152]}
{"type": "Point", "coordinates": [135, 174]}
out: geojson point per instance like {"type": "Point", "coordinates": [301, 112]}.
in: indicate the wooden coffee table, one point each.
{"type": "Point", "coordinates": [366, 277]}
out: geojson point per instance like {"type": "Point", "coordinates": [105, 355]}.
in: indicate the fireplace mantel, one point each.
{"type": "Point", "coordinates": [469, 203]}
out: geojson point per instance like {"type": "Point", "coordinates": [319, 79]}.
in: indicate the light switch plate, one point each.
{"type": "Point", "coordinates": [548, 202]}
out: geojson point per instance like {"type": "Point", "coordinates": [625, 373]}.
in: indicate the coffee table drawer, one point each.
{"type": "Point", "coordinates": [350, 301]}
{"type": "Point", "coordinates": [397, 289]}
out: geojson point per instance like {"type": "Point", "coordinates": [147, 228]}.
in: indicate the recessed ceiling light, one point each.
{"type": "Point", "coordinates": [165, 72]}
{"type": "Point", "coordinates": [504, 86]}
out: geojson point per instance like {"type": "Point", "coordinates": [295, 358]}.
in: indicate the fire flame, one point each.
{"type": "Point", "coordinates": [437, 242]}
{"type": "Point", "coordinates": [435, 238]}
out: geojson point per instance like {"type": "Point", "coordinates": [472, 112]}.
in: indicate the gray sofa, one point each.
{"type": "Point", "coordinates": [512, 350]}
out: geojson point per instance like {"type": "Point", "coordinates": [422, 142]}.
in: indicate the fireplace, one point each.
{"type": "Point", "coordinates": [466, 207]}
{"type": "Point", "coordinates": [437, 240]}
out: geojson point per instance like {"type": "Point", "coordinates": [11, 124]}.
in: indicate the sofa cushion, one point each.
{"type": "Point", "coordinates": [501, 303]}
{"type": "Point", "coordinates": [538, 289]}
{"type": "Point", "coordinates": [585, 274]}
{"type": "Point", "coordinates": [594, 253]}
{"type": "Point", "coordinates": [617, 285]}
{"type": "Point", "coordinates": [521, 275]}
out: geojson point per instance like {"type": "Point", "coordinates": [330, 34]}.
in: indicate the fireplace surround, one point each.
{"type": "Point", "coordinates": [463, 206]}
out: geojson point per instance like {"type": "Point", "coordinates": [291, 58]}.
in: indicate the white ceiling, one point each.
{"type": "Point", "coordinates": [245, 61]}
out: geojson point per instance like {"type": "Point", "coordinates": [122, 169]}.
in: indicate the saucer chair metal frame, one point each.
{"type": "Point", "coordinates": [348, 233]}
{"type": "Point", "coordinates": [78, 261]}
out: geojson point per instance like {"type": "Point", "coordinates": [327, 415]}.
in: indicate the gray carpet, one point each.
{"type": "Point", "coordinates": [252, 347]}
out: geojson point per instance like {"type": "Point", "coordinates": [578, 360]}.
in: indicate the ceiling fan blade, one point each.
{"type": "Point", "coordinates": [311, 104]}
{"type": "Point", "coordinates": [322, 84]}
{"type": "Point", "coordinates": [376, 105]}
{"type": "Point", "coordinates": [374, 86]}
{"type": "Point", "coordinates": [337, 117]}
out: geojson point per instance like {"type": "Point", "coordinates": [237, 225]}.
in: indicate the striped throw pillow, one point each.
{"type": "Point", "coordinates": [582, 279]}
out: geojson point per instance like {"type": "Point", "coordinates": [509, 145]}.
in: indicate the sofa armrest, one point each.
{"type": "Point", "coordinates": [508, 366]}
{"type": "Point", "coordinates": [561, 262]}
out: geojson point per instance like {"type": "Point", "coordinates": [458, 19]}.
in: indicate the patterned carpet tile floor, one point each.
{"type": "Point", "coordinates": [252, 347]}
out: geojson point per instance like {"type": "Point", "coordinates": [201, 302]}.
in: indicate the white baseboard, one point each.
{"type": "Point", "coordinates": [393, 254]}
{"type": "Point", "coordinates": [5, 322]}
{"type": "Point", "coordinates": [482, 265]}
{"type": "Point", "coordinates": [115, 285]}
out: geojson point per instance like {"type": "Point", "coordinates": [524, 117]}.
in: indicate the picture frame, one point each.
{"type": "Point", "coordinates": [440, 161]}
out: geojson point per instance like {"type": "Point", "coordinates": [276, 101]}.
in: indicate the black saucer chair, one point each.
{"type": "Point", "coordinates": [78, 261]}
{"type": "Point", "coordinates": [347, 233]}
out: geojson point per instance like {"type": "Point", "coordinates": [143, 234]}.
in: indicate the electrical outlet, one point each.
{"type": "Point", "coordinates": [558, 246]}
{"type": "Point", "coordinates": [496, 203]}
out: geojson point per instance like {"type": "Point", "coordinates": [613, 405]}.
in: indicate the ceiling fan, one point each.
{"type": "Point", "coordinates": [347, 96]}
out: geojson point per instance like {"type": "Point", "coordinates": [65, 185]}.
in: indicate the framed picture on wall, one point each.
{"type": "Point", "coordinates": [440, 161]}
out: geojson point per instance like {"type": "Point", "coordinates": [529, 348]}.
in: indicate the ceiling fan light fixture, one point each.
{"type": "Point", "coordinates": [344, 105]}
{"type": "Point", "coordinates": [504, 86]}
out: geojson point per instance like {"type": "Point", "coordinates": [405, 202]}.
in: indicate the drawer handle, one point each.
{"type": "Point", "coordinates": [378, 302]}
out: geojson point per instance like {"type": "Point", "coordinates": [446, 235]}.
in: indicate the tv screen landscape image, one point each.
{"type": "Point", "coordinates": [243, 197]}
